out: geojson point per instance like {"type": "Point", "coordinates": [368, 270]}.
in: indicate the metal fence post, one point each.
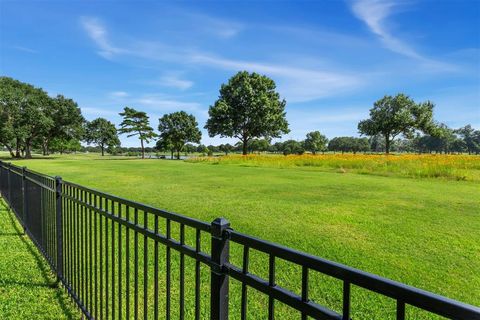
{"type": "Point", "coordinates": [59, 227]}
{"type": "Point", "coordinates": [24, 198]}
{"type": "Point", "coordinates": [9, 185]}
{"type": "Point", "coordinates": [1, 178]}
{"type": "Point", "coordinates": [219, 279]}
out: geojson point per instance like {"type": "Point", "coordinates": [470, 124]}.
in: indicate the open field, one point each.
{"type": "Point", "coordinates": [457, 167]}
{"type": "Point", "coordinates": [421, 231]}
{"type": "Point", "coordinates": [27, 286]}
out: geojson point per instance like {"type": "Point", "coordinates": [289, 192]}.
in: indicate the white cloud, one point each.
{"type": "Point", "coordinates": [375, 13]}
{"type": "Point", "coordinates": [24, 49]}
{"type": "Point", "coordinates": [297, 84]}
{"type": "Point", "coordinates": [154, 102]}
{"type": "Point", "coordinates": [165, 103]}
{"type": "Point", "coordinates": [98, 112]}
{"type": "Point", "coordinates": [118, 94]}
{"type": "Point", "coordinates": [174, 81]}
{"type": "Point", "coordinates": [98, 33]}
{"type": "Point", "coordinates": [221, 28]}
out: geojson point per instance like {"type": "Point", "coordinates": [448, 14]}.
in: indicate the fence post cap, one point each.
{"type": "Point", "coordinates": [219, 225]}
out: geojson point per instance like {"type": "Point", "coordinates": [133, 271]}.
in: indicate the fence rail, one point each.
{"type": "Point", "coordinates": [116, 259]}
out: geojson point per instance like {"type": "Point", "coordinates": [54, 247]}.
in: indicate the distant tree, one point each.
{"type": "Point", "coordinates": [227, 148]}
{"type": "Point", "coordinates": [377, 143]}
{"type": "Point", "coordinates": [292, 147]}
{"type": "Point", "coordinates": [259, 145]}
{"type": "Point", "coordinates": [63, 145]}
{"type": "Point", "coordinates": [404, 145]}
{"type": "Point", "coordinates": [349, 144]}
{"type": "Point", "coordinates": [203, 149]}
{"type": "Point", "coordinates": [136, 123]}
{"type": "Point", "coordinates": [277, 147]}
{"type": "Point", "coordinates": [179, 128]}
{"type": "Point", "coordinates": [164, 144]}
{"type": "Point", "coordinates": [315, 141]}
{"type": "Point", "coordinates": [213, 148]}
{"type": "Point", "coordinates": [392, 116]}
{"type": "Point", "coordinates": [102, 133]}
{"type": "Point", "coordinates": [359, 145]}
{"type": "Point", "coordinates": [470, 137]}
{"type": "Point", "coordinates": [338, 144]}
{"type": "Point", "coordinates": [248, 107]}
{"type": "Point", "coordinates": [189, 148]}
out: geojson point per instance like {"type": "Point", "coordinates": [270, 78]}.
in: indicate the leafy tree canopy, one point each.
{"type": "Point", "coordinates": [136, 123]}
{"type": "Point", "coordinates": [391, 116]}
{"type": "Point", "coordinates": [102, 133]}
{"type": "Point", "coordinates": [248, 107]}
{"type": "Point", "coordinates": [315, 141]}
{"type": "Point", "coordinates": [178, 128]}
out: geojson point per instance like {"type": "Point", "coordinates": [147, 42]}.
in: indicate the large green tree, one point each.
{"type": "Point", "coordinates": [68, 123]}
{"type": "Point", "coordinates": [178, 128]}
{"type": "Point", "coordinates": [25, 112]}
{"type": "Point", "coordinates": [248, 107]}
{"type": "Point", "coordinates": [102, 133]}
{"type": "Point", "coordinates": [30, 118]}
{"type": "Point", "coordinates": [136, 123]}
{"type": "Point", "coordinates": [315, 141]}
{"type": "Point", "coordinates": [392, 116]}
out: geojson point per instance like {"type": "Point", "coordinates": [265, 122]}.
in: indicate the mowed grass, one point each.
{"type": "Point", "coordinates": [423, 232]}
{"type": "Point", "coordinates": [27, 286]}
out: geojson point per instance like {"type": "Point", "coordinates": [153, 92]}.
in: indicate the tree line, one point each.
{"type": "Point", "coordinates": [248, 108]}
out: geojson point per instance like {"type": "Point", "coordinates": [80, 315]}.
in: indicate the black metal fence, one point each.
{"type": "Point", "coordinates": [120, 259]}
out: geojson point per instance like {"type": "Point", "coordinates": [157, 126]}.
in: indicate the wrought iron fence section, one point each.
{"type": "Point", "coordinates": [118, 258]}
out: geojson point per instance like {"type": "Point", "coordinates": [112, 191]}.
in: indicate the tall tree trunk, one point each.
{"type": "Point", "coordinates": [28, 152]}
{"type": "Point", "coordinates": [103, 150]}
{"type": "Point", "coordinates": [45, 147]}
{"type": "Point", "coordinates": [178, 154]}
{"type": "Point", "coordinates": [244, 147]}
{"type": "Point", "coordinates": [17, 148]}
{"type": "Point", "coordinates": [11, 151]}
{"type": "Point", "coordinates": [143, 149]}
{"type": "Point", "coordinates": [387, 144]}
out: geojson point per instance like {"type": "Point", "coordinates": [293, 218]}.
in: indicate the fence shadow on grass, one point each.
{"type": "Point", "coordinates": [47, 275]}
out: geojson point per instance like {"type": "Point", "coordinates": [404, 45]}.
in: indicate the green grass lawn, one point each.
{"type": "Point", "coordinates": [423, 232]}
{"type": "Point", "coordinates": [27, 286]}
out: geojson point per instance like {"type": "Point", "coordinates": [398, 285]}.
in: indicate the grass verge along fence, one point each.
{"type": "Point", "coordinates": [122, 259]}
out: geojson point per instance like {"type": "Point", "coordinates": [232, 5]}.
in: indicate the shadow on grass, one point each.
{"type": "Point", "coordinates": [41, 264]}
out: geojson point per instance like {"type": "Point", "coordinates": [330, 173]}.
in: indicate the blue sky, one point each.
{"type": "Point", "coordinates": [330, 59]}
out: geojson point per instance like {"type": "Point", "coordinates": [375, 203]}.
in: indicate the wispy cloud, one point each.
{"type": "Point", "coordinates": [165, 103]}
{"type": "Point", "coordinates": [297, 83]}
{"type": "Point", "coordinates": [153, 101]}
{"type": "Point", "coordinates": [24, 49]}
{"type": "Point", "coordinates": [375, 14]}
{"type": "Point", "coordinates": [174, 81]}
{"type": "Point", "coordinates": [98, 112]}
{"type": "Point", "coordinates": [118, 94]}
{"type": "Point", "coordinates": [221, 28]}
{"type": "Point", "coordinates": [98, 33]}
